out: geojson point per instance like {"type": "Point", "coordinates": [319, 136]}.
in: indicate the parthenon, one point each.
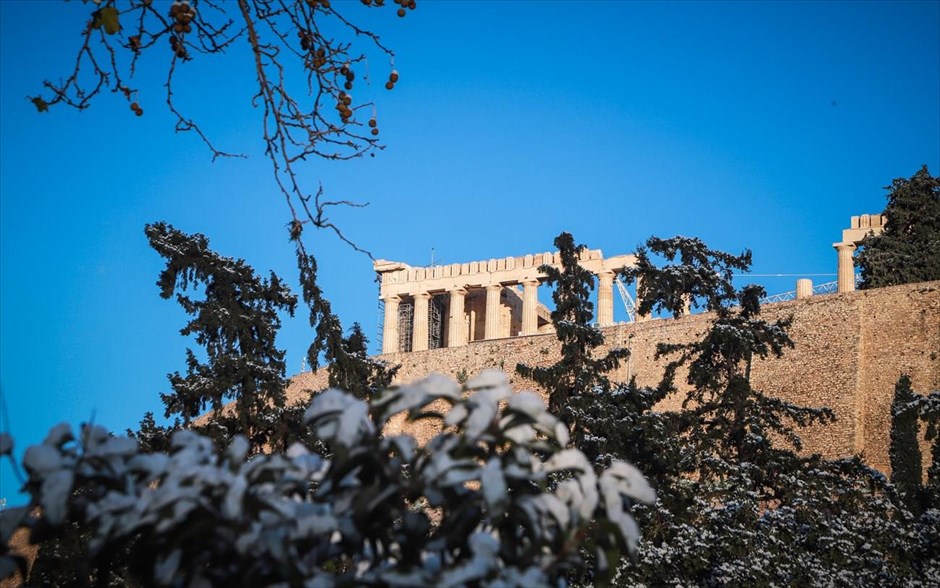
{"type": "Point", "coordinates": [452, 305]}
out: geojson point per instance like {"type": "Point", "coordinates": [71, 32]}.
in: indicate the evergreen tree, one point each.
{"type": "Point", "coordinates": [930, 411]}
{"type": "Point", "coordinates": [700, 278]}
{"type": "Point", "coordinates": [578, 372]}
{"type": "Point", "coordinates": [740, 506]}
{"type": "Point", "coordinates": [928, 408]}
{"type": "Point", "coordinates": [909, 248]}
{"type": "Point", "coordinates": [351, 369]}
{"type": "Point", "coordinates": [63, 561]}
{"type": "Point", "coordinates": [609, 422]}
{"type": "Point", "coordinates": [727, 421]}
{"type": "Point", "coordinates": [236, 323]}
{"type": "Point", "coordinates": [623, 423]}
{"type": "Point", "coordinates": [151, 437]}
{"type": "Point", "coordinates": [906, 469]}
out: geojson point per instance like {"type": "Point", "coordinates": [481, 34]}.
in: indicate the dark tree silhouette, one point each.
{"type": "Point", "coordinates": [909, 248]}
{"type": "Point", "coordinates": [904, 451]}
{"type": "Point", "coordinates": [578, 371]}
{"type": "Point", "coordinates": [236, 323]}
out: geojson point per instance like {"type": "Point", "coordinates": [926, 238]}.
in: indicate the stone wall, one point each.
{"type": "Point", "coordinates": [850, 349]}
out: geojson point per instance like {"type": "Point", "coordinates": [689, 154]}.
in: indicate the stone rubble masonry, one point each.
{"type": "Point", "coordinates": [850, 350]}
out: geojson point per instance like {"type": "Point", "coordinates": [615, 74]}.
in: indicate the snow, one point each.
{"type": "Point", "coordinates": [340, 417]}
{"type": "Point", "coordinates": [301, 513]}
{"type": "Point", "coordinates": [40, 459]}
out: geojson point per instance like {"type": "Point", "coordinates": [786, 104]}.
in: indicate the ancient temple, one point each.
{"type": "Point", "coordinates": [456, 304]}
{"type": "Point", "coordinates": [452, 305]}
{"type": "Point", "coordinates": [860, 227]}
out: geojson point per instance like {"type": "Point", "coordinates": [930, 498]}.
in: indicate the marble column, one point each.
{"type": "Point", "coordinates": [846, 275]}
{"type": "Point", "coordinates": [530, 302]}
{"type": "Point", "coordinates": [419, 330]}
{"type": "Point", "coordinates": [491, 325]}
{"type": "Point", "coordinates": [457, 324]}
{"type": "Point", "coordinates": [390, 325]}
{"type": "Point", "coordinates": [804, 288]}
{"type": "Point", "coordinates": [605, 298]}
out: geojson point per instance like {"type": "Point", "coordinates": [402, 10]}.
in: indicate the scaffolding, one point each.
{"type": "Point", "coordinates": [436, 322]}
{"type": "Point", "coordinates": [437, 308]}
{"type": "Point", "coordinates": [380, 327]}
{"type": "Point", "coordinates": [406, 313]}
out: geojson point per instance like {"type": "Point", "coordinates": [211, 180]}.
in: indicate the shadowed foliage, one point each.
{"type": "Point", "coordinates": [908, 250]}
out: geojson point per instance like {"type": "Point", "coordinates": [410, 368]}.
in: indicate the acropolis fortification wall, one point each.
{"type": "Point", "coordinates": [851, 347]}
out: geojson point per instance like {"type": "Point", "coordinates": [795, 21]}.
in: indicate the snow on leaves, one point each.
{"type": "Point", "coordinates": [339, 417]}
{"type": "Point", "coordinates": [495, 499]}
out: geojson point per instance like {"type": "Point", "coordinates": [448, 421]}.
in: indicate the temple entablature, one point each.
{"type": "Point", "coordinates": [860, 227]}
{"type": "Point", "coordinates": [453, 305]}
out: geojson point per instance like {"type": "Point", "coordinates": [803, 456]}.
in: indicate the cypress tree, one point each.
{"type": "Point", "coordinates": [151, 437]}
{"type": "Point", "coordinates": [904, 450]}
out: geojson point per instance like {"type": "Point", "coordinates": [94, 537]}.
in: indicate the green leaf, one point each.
{"type": "Point", "coordinates": [40, 104]}
{"type": "Point", "coordinates": [108, 17]}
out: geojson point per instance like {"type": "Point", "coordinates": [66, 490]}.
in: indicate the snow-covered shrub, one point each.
{"type": "Point", "coordinates": [495, 499]}
{"type": "Point", "coordinates": [840, 525]}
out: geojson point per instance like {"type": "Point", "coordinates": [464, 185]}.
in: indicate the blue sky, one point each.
{"type": "Point", "coordinates": [751, 125]}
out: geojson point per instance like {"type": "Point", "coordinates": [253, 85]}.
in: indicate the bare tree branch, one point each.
{"type": "Point", "coordinates": [305, 56]}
